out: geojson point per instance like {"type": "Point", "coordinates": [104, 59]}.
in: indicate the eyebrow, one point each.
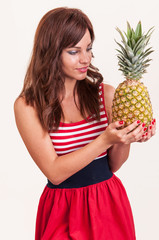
{"type": "Point", "coordinates": [80, 47]}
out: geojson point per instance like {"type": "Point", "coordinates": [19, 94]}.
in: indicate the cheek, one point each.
{"type": "Point", "coordinates": [70, 62]}
{"type": "Point", "coordinates": [91, 55]}
{"type": "Point", "coordinates": [73, 60]}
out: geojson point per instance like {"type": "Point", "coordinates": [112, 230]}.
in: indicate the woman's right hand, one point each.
{"type": "Point", "coordinates": [132, 133]}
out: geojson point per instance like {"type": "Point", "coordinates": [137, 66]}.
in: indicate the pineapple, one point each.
{"type": "Point", "coordinates": [131, 99]}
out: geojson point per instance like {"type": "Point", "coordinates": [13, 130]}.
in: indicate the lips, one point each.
{"type": "Point", "coordinates": [83, 69]}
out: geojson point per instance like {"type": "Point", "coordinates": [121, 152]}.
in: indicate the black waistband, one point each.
{"type": "Point", "coordinates": [97, 171]}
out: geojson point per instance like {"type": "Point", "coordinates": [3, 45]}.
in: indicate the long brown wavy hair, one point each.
{"type": "Point", "coordinates": [59, 28]}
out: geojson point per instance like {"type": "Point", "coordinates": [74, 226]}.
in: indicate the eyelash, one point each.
{"type": "Point", "coordinates": [74, 52]}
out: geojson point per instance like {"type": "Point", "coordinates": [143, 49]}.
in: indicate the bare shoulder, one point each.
{"type": "Point", "coordinates": [20, 101]}
{"type": "Point", "coordinates": [26, 118]}
{"type": "Point", "coordinates": [34, 136]}
{"type": "Point", "coordinates": [108, 91]}
{"type": "Point", "coordinates": [108, 94]}
{"type": "Point", "coordinates": [108, 99]}
{"type": "Point", "coordinates": [20, 106]}
{"type": "Point", "coordinates": [24, 112]}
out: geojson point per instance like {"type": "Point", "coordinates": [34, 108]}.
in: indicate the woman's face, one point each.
{"type": "Point", "coordinates": [76, 60]}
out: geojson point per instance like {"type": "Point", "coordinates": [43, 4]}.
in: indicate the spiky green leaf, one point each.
{"type": "Point", "coordinates": [123, 49]}
{"type": "Point", "coordinates": [150, 31]}
{"type": "Point", "coordinates": [134, 59]}
{"type": "Point", "coordinates": [133, 35]}
{"type": "Point", "coordinates": [132, 56]}
{"type": "Point", "coordinates": [148, 53]}
{"type": "Point", "coordinates": [138, 31]}
{"type": "Point", "coordinates": [129, 52]}
{"type": "Point", "coordinates": [121, 34]}
{"type": "Point", "coordinates": [139, 43]}
{"type": "Point", "coordinates": [129, 33]}
{"type": "Point", "coordinates": [133, 42]}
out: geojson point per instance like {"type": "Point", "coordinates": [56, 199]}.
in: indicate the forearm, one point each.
{"type": "Point", "coordinates": [65, 166]}
{"type": "Point", "coordinates": [117, 155]}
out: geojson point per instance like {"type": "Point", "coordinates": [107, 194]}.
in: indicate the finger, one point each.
{"type": "Point", "coordinates": [153, 123]}
{"type": "Point", "coordinates": [144, 137]}
{"type": "Point", "coordinates": [117, 124]}
{"type": "Point", "coordinates": [131, 127]}
{"type": "Point", "coordinates": [136, 134]}
{"type": "Point", "coordinates": [150, 132]}
{"type": "Point", "coordinates": [147, 136]}
{"type": "Point", "coordinates": [139, 133]}
{"type": "Point", "coordinates": [151, 129]}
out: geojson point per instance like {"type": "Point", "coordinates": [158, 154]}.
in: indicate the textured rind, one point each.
{"type": "Point", "coordinates": [132, 102]}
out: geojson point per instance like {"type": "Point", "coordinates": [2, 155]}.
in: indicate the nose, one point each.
{"type": "Point", "coordinates": [85, 57]}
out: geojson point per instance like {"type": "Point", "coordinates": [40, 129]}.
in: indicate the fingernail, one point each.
{"type": "Point", "coordinates": [146, 134]}
{"type": "Point", "coordinates": [143, 135]}
{"type": "Point", "coordinates": [150, 127]}
{"type": "Point", "coordinates": [121, 122]}
{"type": "Point", "coordinates": [145, 128]}
{"type": "Point", "coordinates": [153, 121]}
{"type": "Point", "coordinates": [138, 121]}
{"type": "Point", "coordinates": [143, 125]}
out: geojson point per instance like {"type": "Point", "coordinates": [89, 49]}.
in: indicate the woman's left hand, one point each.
{"type": "Point", "coordinates": [150, 132]}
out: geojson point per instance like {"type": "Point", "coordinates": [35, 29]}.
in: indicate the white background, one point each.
{"type": "Point", "coordinates": [21, 182]}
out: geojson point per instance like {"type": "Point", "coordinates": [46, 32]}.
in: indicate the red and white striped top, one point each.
{"type": "Point", "coordinates": [72, 136]}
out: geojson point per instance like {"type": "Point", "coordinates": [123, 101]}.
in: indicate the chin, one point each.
{"type": "Point", "coordinates": [82, 76]}
{"type": "Point", "coordinates": [78, 77]}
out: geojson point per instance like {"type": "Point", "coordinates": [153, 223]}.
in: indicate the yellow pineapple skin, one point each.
{"type": "Point", "coordinates": [132, 102]}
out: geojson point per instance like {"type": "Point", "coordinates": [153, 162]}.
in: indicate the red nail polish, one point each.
{"type": "Point", "coordinates": [150, 127]}
{"type": "Point", "coordinates": [121, 122]}
{"type": "Point", "coordinates": [145, 128]}
{"type": "Point", "coordinates": [143, 125]}
{"type": "Point", "coordinates": [146, 134]}
{"type": "Point", "coordinates": [138, 121]}
{"type": "Point", "coordinates": [143, 135]}
{"type": "Point", "coordinates": [153, 121]}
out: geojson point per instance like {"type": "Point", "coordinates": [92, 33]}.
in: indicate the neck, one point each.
{"type": "Point", "coordinates": [69, 87]}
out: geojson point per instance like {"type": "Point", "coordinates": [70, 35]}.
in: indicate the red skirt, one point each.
{"type": "Point", "coordinates": [99, 211]}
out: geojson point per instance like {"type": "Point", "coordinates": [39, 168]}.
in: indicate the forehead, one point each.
{"type": "Point", "coordinates": [86, 39]}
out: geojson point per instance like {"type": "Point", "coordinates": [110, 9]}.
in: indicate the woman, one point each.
{"type": "Point", "coordinates": [64, 117]}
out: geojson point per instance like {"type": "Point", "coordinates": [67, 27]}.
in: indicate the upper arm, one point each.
{"type": "Point", "coordinates": [108, 99]}
{"type": "Point", "coordinates": [35, 138]}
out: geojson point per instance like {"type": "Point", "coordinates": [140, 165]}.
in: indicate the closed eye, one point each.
{"type": "Point", "coordinates": [89, 49]}
{"type": "Point", "coordinates": [72, 52]}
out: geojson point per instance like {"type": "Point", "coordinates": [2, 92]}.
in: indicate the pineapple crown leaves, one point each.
{"type": "Point", "coordinates": [132, 56]}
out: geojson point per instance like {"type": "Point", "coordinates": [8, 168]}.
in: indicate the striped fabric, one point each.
{"type": "Point", "coordinates": [72, 136]}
